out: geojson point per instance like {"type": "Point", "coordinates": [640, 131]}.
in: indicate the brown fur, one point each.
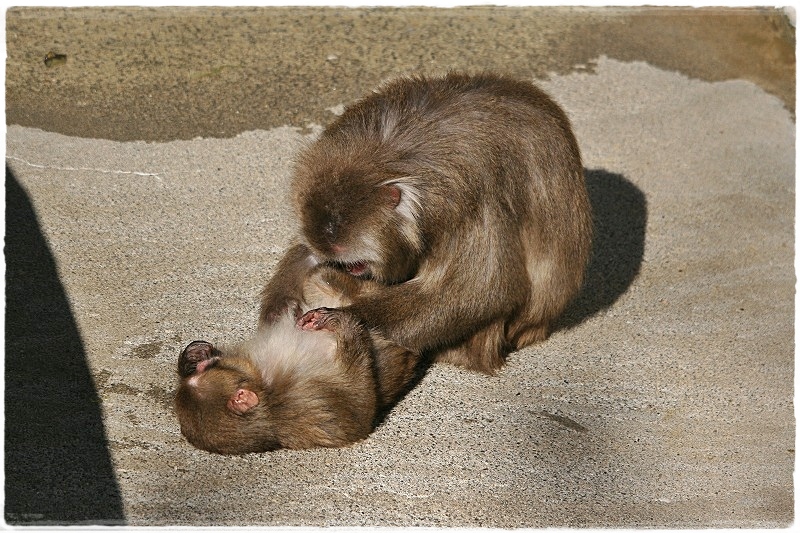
{"type": "Point", "coordinates": [318, 380]}
{"type": "Point", "coordinates": [464, 197]}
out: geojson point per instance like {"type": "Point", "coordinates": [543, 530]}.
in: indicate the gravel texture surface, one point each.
{"type": "Point", "coordinates": [664, 400]}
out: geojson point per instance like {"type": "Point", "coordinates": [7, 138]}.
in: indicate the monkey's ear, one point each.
{"type": "Point", "coordinates": [242, 401]}
{"type": "Point", "coordinates": [393, 194]}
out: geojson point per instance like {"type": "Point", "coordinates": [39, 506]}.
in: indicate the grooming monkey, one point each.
{"type": "Point", "coordinates": [304, 380]}
{"type": "Point", "coordinates": [464, 198]}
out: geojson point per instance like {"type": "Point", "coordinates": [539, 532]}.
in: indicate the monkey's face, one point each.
{"type": "Point", "coordinates": [362, 222]}
{"type": "Point", "coordinates": [216, 399]}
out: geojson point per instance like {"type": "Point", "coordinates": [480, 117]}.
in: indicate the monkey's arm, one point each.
{"type": "Point", "coordinates": [432, 312]}
{"type": "Point", "coordinates": [285, 287]}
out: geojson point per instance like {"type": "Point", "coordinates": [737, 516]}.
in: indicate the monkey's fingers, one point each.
{"type": "Point", "coordinates": [316, 319]}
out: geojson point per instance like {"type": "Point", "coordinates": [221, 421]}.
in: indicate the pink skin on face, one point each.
{"type": "Point", "coordinates": [202, 365]}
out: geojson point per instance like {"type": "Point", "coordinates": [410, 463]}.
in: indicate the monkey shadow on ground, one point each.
{"type": "Point", "coordinates": [58, 469]}
{"type": "Point", "coordinates": [619, 210]}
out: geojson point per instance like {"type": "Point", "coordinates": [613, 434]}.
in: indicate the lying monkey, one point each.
{"type": "Point", "coordinates": [304, 380]}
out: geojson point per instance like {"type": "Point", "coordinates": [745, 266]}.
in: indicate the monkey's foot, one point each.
{"type": "Point", "coordinates": [316, 319]}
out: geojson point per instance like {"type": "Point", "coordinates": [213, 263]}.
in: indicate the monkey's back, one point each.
{"type": "Point", "coordinates": [470, 143]}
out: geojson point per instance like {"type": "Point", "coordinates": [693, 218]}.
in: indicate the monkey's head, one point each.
{"type": "Point", "coordinates": [358, 213]}
{"type": "Point", "coordinates": [217, 402]}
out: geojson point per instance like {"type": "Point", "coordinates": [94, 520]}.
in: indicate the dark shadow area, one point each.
{"type": "Point", "coordinates": [57, 466]}
{"type": "Point", "coordinates": [620, 220]}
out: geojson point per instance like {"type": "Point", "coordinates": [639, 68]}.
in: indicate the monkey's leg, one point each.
{"type": "Point", "coordinates": [522, 333]}
{"type": "Point", "coordinates": [483, 352]}
{"type": "Point", "coordinates": [351, 391]}
{"type": "Point", "coordinates": [408, 314]}
{"type": "Point", "coordinates": [532, 323]}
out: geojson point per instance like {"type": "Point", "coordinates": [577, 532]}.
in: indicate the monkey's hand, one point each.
{"type": "Point", "coordinates": [353, 345]}
{"type": "Point", "coordinates": [318, 319]}
{"type": "Point", "coordinates": [193, 355]}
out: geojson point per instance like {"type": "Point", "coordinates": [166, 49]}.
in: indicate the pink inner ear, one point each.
{"type": "Point", "coordinates": [394, 194]}
{"type": "Point", "coordinates": [242, 401]}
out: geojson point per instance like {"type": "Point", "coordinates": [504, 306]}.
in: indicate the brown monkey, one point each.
{"type": "Point", "coordinates": [317, 380]}
{"type": "Point", "coordinates": [464, 196]}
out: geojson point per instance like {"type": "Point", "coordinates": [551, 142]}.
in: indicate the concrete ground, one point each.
{"type": "Point", "coordinates": [146, 181]}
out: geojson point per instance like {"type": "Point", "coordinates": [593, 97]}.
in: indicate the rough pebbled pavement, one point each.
{"type": "Point", "coordinates": [665, 399]}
